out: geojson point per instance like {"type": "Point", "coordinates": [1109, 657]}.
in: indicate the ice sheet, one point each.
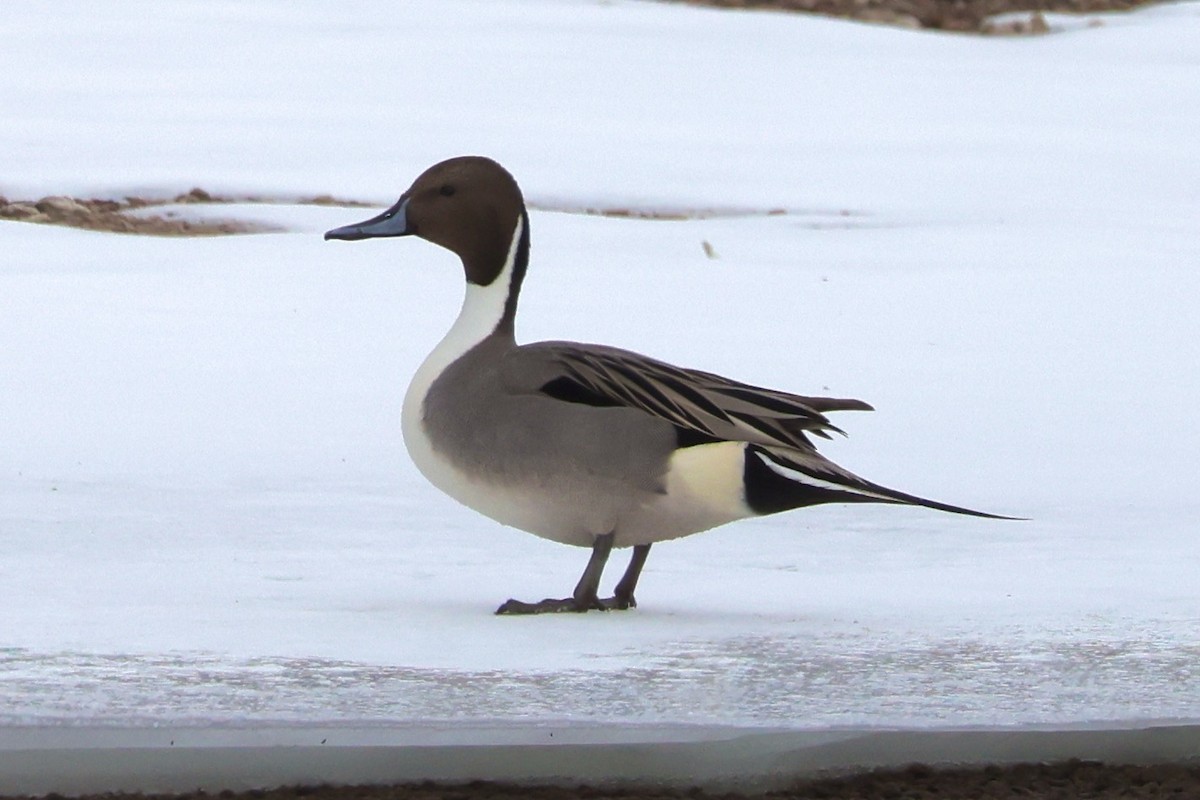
{"type": "Point", "coordinates": [206, 511]}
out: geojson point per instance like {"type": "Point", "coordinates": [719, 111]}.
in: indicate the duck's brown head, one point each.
{"type": "Point", "coordinates": [469, 205]}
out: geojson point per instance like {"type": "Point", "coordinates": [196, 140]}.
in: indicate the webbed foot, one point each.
{"type": "Point", "coordinates": [567, 605]}
{"type": "Point", "coordinates": [551, 606]}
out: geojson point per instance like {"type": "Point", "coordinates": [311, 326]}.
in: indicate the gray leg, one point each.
{"type": "Point", "coordinates": [586, 593]}
{"type": "Point", "coordinates": [585, 596]}
{"type": "Point", "coordinates": [623, 596]}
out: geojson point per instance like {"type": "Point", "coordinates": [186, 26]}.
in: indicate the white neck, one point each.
{"type": "Point", "coordinates": [482, 310]}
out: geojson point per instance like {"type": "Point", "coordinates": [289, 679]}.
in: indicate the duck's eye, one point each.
{"type": "Point", "coordinates": [447, 190]}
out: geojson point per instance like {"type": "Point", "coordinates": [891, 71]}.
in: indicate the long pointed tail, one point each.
{"type": "Point", "coordinates": [778, 480]}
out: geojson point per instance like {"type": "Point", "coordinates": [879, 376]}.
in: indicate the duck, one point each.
{"type": "Point", "coordinates": [586, 444]}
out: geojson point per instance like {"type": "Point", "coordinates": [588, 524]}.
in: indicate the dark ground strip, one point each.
{"type": "Point", "coordinates": [1070, 780]}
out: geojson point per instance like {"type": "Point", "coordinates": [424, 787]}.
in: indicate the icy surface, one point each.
{"type": "Point", "coordinates": [206, 512]}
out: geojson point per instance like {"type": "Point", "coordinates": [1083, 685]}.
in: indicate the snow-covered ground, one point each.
{"type": "Point", "coordinates": [206, 513]}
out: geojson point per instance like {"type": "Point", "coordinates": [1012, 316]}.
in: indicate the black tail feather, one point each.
{"type": "Point", "coordinates": [776, 483]}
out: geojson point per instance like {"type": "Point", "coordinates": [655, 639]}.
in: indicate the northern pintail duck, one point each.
{"type": "Point", "coordinates": [585, 444]}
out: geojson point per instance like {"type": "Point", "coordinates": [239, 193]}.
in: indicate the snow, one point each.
{"type": "Point", "coordinates": [206, 511]}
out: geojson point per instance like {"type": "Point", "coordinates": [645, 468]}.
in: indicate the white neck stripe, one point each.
{"type": "Point", "coordinates": [482, 309]}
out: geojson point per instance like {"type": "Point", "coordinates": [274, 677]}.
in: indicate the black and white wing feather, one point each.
{"type": "Point", "coordinates": [705, 405]}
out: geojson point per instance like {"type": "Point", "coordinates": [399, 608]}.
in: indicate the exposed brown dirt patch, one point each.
{"type": "Point", "coordinates": [1067, 780]}
{"type": "Point", "coordinates": [965, 16]}
{"type": "Point", "coordinates": [127, 214]}
{"type": "Point", "coordinates": [667, 213]}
